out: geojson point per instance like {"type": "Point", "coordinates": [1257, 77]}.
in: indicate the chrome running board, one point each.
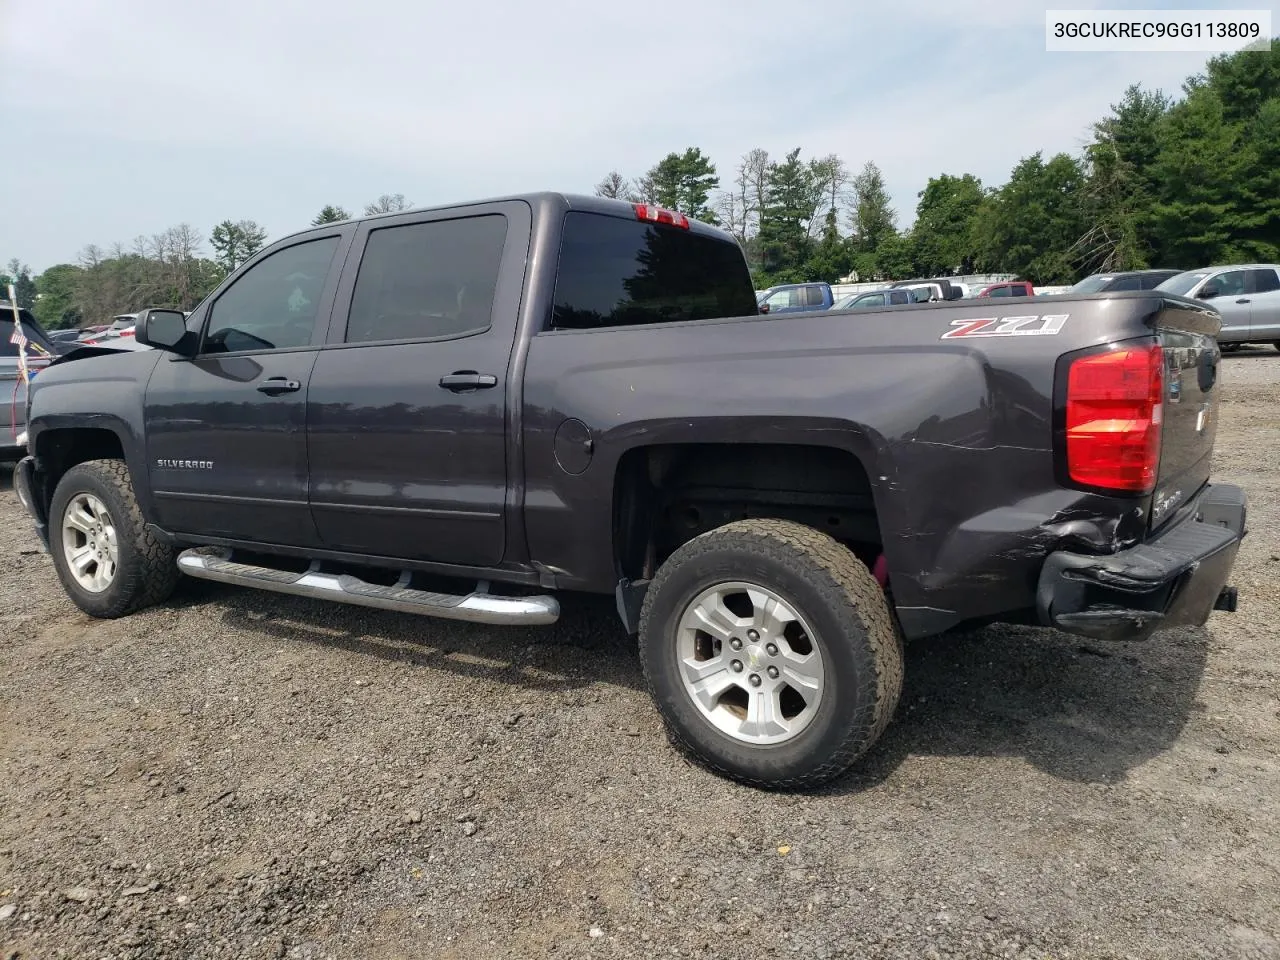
{"type": "Point", "coordinates": [479, 606]}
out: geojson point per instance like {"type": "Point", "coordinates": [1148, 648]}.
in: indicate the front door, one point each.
{"type": "Point", "coordinates": [1232, 301]}
{"type": "Point", "coordinates": [226, 429]}
{"type": "Point", "coordinates": [406, 417]}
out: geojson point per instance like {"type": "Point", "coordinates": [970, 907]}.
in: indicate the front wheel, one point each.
{"type": "Point", "coordinates": [109, 563]}
{"type": "Point", "coordinates": [771, 653]}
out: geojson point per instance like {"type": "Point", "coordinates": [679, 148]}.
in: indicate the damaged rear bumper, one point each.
{"type": "Point", "coordinates": [1177, 578]}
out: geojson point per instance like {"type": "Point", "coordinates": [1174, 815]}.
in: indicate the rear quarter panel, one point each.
{"type": "Point", "coordinates": [954, 432]}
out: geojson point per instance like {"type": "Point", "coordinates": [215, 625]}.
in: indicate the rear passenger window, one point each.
{"type": "Point", "coordinates": [1265, 281]}
{"type": "Point", "coordinates": [431, 280]}
{"type": "Point", "coordinates": [617, 272]}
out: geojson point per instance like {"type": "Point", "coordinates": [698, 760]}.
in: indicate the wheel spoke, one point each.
{"type": "Point", "coordinates": [80, 519]}
{"type": "Point", "coordinates": [764, 715]}
{"type": "Point", "coordinates": [708, 690]}
{"type": "Point", "coordinates": [715, 618]}
{"type": "Point", "coordinates": [81, 559]}
{"type": "Point", "coordinates": [804, 674]}
{"type": "Point", "coordinates": [769, 614]}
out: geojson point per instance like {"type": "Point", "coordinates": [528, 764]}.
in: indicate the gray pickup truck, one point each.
{"type": "Point", "coordinates": [463, 411]}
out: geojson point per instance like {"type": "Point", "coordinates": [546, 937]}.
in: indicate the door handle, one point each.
{"type": "Point", "coordinates": [276, 385]}
{"type": "Point", "coordinates": [461, 380]}
{"type": "Point", "coordinates": [1243, 300]}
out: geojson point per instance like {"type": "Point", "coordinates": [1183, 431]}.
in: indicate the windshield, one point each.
{"type": "Point", "coordinates": [1092, 284]}
{"type": "Point", "coordinates": [1182, 282]}
{"type": "Point", "coordinates": [845, 302]}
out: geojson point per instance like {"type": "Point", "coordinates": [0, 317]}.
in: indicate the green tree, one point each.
{"type": "Point", "coordinates": [1121, 185]}
{"type": "Point", "coordinates": [784, 228]}
{"type": "Point", "coordinates": [1031, 225]}
{"type": "Point", "coordinates": [57, 307]}
{"type": "Point", "coordinates": [873, 219]}
{"type": "Point", "coordinates": [19, 274]}
{"type": "Point", "coordinates": [234, 243]}
{"type": "Point", "coordinates": [832, 258]}
{"type": "Point", "coordinates": [1216, 170]}
{"type": "Point", "coordinates": [684, 182]}
{"type": "Point", "coordinates": [895, 257]}
{"type": "Point", "coordinates": [942, 236]}
{"type": "Point", "coordinates": [330, 214]}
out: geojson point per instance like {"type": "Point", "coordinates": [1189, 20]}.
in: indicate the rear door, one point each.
{"type": "Point", "coordinates": [406, 417]}
{"type": "Point", "coordinates": [1264, 305]}
{"type": "Point", "coordinates": [226, 429]}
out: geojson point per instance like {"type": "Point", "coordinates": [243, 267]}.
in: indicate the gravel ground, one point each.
{"type": "Point", "coordinates": [242, 775]}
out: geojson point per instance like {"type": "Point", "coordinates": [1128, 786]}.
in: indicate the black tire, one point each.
{"type": "Point", "coordinates": [1276, 344]}
{"type": "Point", "coordinates": [147, 570]}
{"type": "Point", "coordinates": [854, 628]}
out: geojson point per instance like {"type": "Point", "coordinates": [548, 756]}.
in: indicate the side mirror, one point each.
{"type": "Point", "coordinates": [1207, 292]}
{"type": "Point", "coordinates": [764, 308]}
{"type": "Point", "coordinates": [165, 329]}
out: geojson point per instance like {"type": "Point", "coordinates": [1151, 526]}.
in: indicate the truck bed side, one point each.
{"type": "Point", "coordinates": [952, 435]}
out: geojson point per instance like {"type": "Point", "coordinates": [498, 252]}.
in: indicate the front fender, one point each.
{"type": "Point", "coordinates": [104, 392]}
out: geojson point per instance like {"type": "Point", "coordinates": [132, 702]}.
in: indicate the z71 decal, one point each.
{"type": "Point", "coordinates": [1046, 326]}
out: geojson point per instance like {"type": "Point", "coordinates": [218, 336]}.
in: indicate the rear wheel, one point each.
{"type": "Point", "coordinates": [109, 563]}
{"type": "Point", "coordinates": [771, 653]}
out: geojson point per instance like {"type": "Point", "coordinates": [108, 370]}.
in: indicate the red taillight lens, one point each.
{"type": "Point", "coordinates": [1114, 411]}
{"type": "Point", "coordinates": [654, 214]}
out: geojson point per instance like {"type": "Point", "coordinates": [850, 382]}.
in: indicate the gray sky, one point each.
{"type": "Point", "coordinates": [131, 116]}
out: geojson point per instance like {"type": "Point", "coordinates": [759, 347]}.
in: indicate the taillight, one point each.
{"type": "Point", "coordinates": [1113, 415]}
{"type": "Point", "coordinates": [645, 211]}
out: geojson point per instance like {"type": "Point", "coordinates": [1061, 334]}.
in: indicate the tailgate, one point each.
{"type": "Point", "coordinates": [1192, 357]}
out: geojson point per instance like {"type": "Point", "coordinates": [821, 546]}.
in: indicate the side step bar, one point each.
{"type": "Point", "coordinates": [477, 607]}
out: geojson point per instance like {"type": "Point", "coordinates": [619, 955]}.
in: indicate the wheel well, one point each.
{"type": "Point", "coordinates": [60, 450]}
{"type": "Point", "coordinates": [666, 495]}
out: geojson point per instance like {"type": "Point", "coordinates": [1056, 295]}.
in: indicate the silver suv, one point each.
{"type": "Point", "coordinates": [1247, 295]}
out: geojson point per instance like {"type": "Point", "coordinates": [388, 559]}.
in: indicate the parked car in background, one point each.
{"type": "Point", "coordinates": [875, 298]}
{"type": "Point", "coordinates": [69, 335]}
{"type": "Point", "coordinates": [797, 298]}
{"type": "Point", "coordinates": [940, 288]}
{"type": "Point", "coordinates": [1011, 288]}
{"type": "Point", "coordinates": [1246, 295]}
{"type": "Point", "coordinates": [1125, 280]}
{"type": "Point", "coordinates": [40, 351]}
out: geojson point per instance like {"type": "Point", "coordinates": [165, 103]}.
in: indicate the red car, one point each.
{"type": "Point", "coordinates": [1014, 288]}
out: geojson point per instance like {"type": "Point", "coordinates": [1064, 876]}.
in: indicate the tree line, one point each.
{"type": "Point", "coordinates": [170, 268]}
{"type": "Point", "coordinates": [1163, 182]}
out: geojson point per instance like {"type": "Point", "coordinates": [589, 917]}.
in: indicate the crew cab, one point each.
{"type": "Point", "coordinates": [464, 411]}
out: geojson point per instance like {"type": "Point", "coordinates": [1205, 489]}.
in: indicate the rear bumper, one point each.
{"type": "Point", "coordinates": [24, 482]}
{"type": "Point", "coordinates": [1177, 578]}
